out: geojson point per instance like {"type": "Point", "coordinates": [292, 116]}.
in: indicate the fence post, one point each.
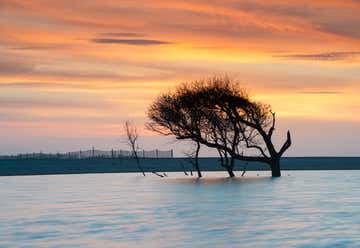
{"type": "Point", "coordinates": [172, 153]}
{"type": "Point", "coordinates": [157, 153]}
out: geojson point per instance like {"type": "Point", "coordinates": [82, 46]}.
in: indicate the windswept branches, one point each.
{"type": "Point", "coordinates": [218, 113]}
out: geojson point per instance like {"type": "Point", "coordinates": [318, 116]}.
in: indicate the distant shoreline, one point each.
{"type": "Point", "coordinates": [22, 167]}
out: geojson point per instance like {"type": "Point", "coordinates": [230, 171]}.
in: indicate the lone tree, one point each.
{"type": "Point", "coordinates": [218, 113]}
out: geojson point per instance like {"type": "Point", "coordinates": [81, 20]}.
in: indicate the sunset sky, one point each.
{"type": "Point", "coordinates": [71, 72]}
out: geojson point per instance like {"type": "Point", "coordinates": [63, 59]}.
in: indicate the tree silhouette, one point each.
{"type": "Point", "coordinates": [218, 113]}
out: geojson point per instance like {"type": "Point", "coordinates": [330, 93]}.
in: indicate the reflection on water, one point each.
{"type": "Point", "coordinates": [217, 178]}
{"type": "Point", "coordinates": [305, 209]}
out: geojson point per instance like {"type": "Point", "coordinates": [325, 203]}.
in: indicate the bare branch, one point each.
{"type": "Point", "coordinates": [156, 173]}
{"type": "Point", "coordinates": [286, 145]}
{"type": "Point", "coordinates": [272, 128]}
{"type": "Point", "coordinates": [132, 138]}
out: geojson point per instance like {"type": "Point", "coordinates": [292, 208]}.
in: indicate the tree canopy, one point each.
{"type": "Point", "coordinates": [218, 113]}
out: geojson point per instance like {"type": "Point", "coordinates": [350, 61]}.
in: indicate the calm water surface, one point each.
{"type": "Point", "coordinates": [305, 209]}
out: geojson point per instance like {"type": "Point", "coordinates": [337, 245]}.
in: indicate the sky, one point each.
{"type": "Point", "coordinates": [71, 72]}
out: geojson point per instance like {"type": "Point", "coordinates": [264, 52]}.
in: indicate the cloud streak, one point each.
{"type": "Point", "coordinates": [321, 92]}
{"type": "Point", "coordinates": [332, 56]}
{"type": "Point", "coordinates": [33, 85]}
{"type": "Point", "coordinates": [122, 34]}
{"type": "Point", "coordinates": [46, 47]}
{"type": "Point", "coordinates": [136, 42]}
{"type": "Point", "coordinates": [10, 67]}
{"type": "Point", "coordinates": [19, 103]}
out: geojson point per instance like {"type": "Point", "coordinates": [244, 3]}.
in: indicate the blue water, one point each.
{"type": "Point", "coordinates": [303, 209]}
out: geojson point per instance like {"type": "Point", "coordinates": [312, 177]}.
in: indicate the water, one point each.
{"type": "Point", "coordinates": [305, 209]}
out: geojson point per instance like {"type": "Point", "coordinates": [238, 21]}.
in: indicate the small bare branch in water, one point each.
{"type": "Point", "coordinates": [156, 173]}
{"type": "Point", "coordinates": [132, 141]}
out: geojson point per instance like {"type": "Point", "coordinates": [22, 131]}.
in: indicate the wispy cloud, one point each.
{"type": "Point", "coordinates": [332, 56]}
{"type": "Point", "coordinates": [11, 67]}
{"type": "Point", "coordinates": [36, 85]}
{"type": "Point", "coordinates": [45, 47]}
{"type": "Point", "coordinates": [346, 26]}
{"type": "Point", "coordinates": [321, 92]}
{"type": "Point", "coordinates": [137, 42]}
{"type": "Point", "coordinates": [283, 9]}
{"type": "Point", "coordinates": [337, 17]}
{"type": "Point", "coordinates": [49, 102]}
{"type": "Point", "coordinates": [122, 34]}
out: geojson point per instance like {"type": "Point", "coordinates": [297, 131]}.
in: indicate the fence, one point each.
{"type": "Point", "coordinates": [86, 154]}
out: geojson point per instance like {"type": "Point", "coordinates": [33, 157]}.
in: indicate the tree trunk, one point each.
{"type": "Point", "coordinates": [197, 167]}
{"type": "Point", "coordinates": [139, 165]}
{"type": "Point", "coordinates": [232, 162]}
{"type": "Point", "coordinates": [275, 168]}
{"type": "Point", "coordinates": [230, 171]}
{"type": "Point", "coordinates": [198, 171]}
